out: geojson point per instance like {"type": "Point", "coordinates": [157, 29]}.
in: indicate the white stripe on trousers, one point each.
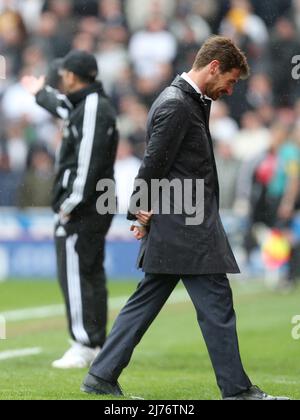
{"type": "Point", "coordinates": [75, 295]}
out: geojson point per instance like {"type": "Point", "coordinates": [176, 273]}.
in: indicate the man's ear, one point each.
{"type": "Point", "coordinates": [73, 78]}
{"type": "Point", "coordinates": [214, 67]}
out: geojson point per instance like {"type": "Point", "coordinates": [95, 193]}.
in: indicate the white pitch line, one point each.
{"type": "Point", "coordinates": [52, 311]}
{"type": "Point", "coordinates": [14, 354]}
{"type": "Point", "coordinates": [46, 312]}
{"type": "Point", "coordinates": [33, 313]}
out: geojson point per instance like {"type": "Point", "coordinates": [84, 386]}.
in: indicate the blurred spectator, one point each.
{"type": "Point", "coordinates": [123, 86]}
{"type": "Point", "coordinates": [267, 114]}
{"type": "Point", "coordinates": [269, 11]}
{"type": "Point", "coordinates": [46, 34]}
{"type": "Point", "coordinates": [190, 30]}
{"type": "Point", "coordinates": [91, 25]}
{"type": "Point", "coordinates": [138, 16]}
{"type": "Point", "coordinates": [223, 128]}
{"type": "Point", "coordinates": [188, 19]}
{"type": "Point", "coordinates": [283, 47]}
{"type": "Point", "coordinates": [249, 31]}
{"type": "Point", "coordinates": [17, 104]}
{"type": "Point", "coordinates": [67, 25]}
{"type": "Point", "coordinates": [260, 92]}
{"type": "Point", "coordinates": [132, 123]}
{"type": "Point", "coordinates": [16, 147]}
{"type": "Point", "coordinates": [34, 59]}
{"type": "Point", "coordinates": [11, 167]}
{"type": "Point", "coordinates": [207, 9]}
{"type": "Point", "coordinates": [113, 60]}
{"type": "Point", "coordinates": [152, 47]}
{"type": "Point", "coordinates": [12, 34]}
{"type": "Point", "coordinates": [84, 41]}
{"type": "Point", "coordinates": [30, 11]}
{"type": "Point", "coordinates": [148, 88]}
{"type": "Point", "coordinates": [275, 187]}
{"type": "Point", "coordinates": [86, 8]}
{"type": "Point", "coordinates": [297, 114]}
{"type": "Point", "coordinates": [237, 103]}
{"type": "Point", "coordinates": [63, 9]}
{"type": "Point", "coordinates": [188, 48]}
{"type": "Point", "coordinates": [115, 22]}
{"type": "Point", "coordinates": [36, 187]}
{"type": "Point", "coordinates": [228, 168]}
{"type": "Point", "coordinates": [295, 14]}
{"type": "Point", "coordinates": [9, 182]}
{"type": "Point", "coordinates": [253, 138]}
{"type": "Point", "coordinates": [242, 22]}
{"type": "Point", "coordinates": [280, 182]}
{"type": "Point", "coordinates": [126, 170]}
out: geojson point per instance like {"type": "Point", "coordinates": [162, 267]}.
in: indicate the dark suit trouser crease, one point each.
{"type": "Point", "coordinates": [212, 298]}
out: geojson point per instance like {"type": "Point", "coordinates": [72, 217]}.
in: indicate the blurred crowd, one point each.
{"type": "Point", "coordinates": [141, 46]}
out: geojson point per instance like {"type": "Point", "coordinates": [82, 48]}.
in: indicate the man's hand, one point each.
{"type": "Point", "coordinates": [33, 84]}
{"type": "Point", "coordinates": [64, 218]}
{"type": "Point", "coordinates": [144, 217]}
{"type": "Point", "coordinates": [139, 232]}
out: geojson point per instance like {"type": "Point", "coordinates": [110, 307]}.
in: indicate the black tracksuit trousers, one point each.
{"type": "Point", "coordinates": [80, 249]}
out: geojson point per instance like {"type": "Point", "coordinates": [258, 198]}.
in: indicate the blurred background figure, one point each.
{"type": "Point", "coordinates": [283, 46]}
{"type": "Point", "coordinates": [275, 189]}
{"type": "Point", "coordinates": [252, 138]}
{"type": "Point", "coordinates": [37, 184]}
{"type": "Point", "coordinates": [152, 47]}
{"type": "Point", "coordinates": [126, 169]}
{"type": "Point", "coordinates": [222, 126]}
{"type": "Point", "coordinates": [241, 22]}
{"type": "Point", "coordinates": [229, 165]}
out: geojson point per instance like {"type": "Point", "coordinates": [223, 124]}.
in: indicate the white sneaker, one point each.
{"type": "Point", "coordinates": [77, 357]}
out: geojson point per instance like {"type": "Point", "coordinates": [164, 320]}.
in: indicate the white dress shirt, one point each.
{"type": "Point", "coordinates": [187, 78]}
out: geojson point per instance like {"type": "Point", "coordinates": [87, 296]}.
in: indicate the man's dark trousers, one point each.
{"type": "Point", "coordinates": [212, 298]}
{"type": "Point", "coordinates": [80, 249]}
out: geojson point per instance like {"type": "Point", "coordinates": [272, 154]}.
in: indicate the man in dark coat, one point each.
{"type": "Point", "coordinates": [175, 248]}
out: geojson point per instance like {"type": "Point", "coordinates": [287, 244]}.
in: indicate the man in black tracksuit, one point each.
{"type": "Point", "coordinates": [87, 155]}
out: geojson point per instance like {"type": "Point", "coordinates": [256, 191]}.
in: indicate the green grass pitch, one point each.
{"type": "Point", "coordinates": [170, 364]}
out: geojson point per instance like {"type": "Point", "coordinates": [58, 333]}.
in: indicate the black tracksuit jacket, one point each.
{"type": "Point", "coordinates": [88, 149]}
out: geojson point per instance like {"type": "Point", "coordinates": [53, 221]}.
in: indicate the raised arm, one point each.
{"type": "Point", "coordinates": [47, 97]}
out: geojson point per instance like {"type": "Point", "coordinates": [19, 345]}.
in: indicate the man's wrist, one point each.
{"type": "Point", "coordinates": [137, 224]}
{"type": "Point", "coordinates": [64, 218]}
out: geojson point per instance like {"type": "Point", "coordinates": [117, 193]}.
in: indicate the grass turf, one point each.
{"type": "Point", "coordinates": [170, 364]}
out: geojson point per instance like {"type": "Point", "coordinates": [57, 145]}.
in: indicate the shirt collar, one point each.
{"type": "Point", "coordinates": [187, 78]}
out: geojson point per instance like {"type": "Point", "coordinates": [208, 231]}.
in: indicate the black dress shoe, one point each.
{"type": "Point", "coordinates": [97, 386]}
{"type": "Point", "coordinates": [255, 394]}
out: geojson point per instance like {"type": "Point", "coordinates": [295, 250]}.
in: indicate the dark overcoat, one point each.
{"type": "Point", "coordinates": [179, 146]}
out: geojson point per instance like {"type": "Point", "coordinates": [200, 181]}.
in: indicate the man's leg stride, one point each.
{"type": "Point", "coordinates": [128, 330]}
{"type": "Point", "coordinates": [212, 298]}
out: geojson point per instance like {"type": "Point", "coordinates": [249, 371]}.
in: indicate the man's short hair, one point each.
{"type": "Point", "coordinates": [226, 52]}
